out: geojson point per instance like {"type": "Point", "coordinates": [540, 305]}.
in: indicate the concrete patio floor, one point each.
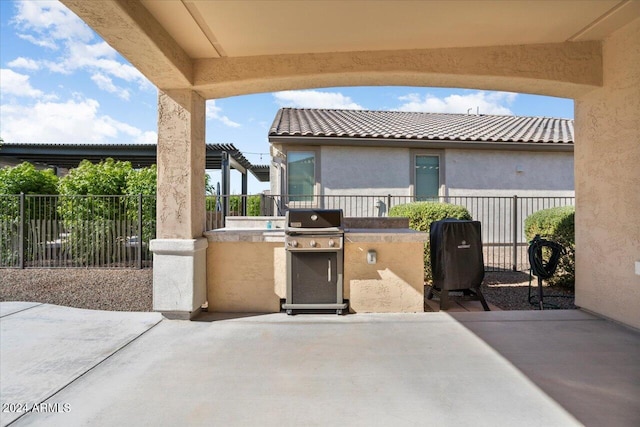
{"type": "Point", "coordinates": [509, 368]}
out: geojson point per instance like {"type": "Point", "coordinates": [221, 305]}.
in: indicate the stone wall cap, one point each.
{"type": "Point", "coordinates": [178, 246]}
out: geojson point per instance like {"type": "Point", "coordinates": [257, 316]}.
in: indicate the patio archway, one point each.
{"type": "Point", "coordinates": [591, 54]}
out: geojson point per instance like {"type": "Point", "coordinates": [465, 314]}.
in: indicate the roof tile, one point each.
{"type": "Point", "coordinates": [420, 126]}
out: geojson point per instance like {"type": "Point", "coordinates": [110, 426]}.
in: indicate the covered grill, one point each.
{"type": "Point", "coordinates": [457, 262]}
{"type": "Point", "coordinates": [314, 242]}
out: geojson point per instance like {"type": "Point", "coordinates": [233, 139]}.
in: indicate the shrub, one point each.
{"type": "Point", "coordinates": [23, 178]}
{"type": "Point", "coordinates": [235, 204]}
{"type": "Point", "coordinates": [111, 215]}
{"type": "Point", "coordinates": [557, 225]}
{"type": "Point", "coordinates": [143, 181]}
{"type": "Point", "coordinates": [422, 214]}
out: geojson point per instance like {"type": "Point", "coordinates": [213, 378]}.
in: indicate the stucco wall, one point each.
{"type": "Point", "coordinates": [504, 173]}
{"type": "Point", "coordinates": [382, 171]}
{"type": "Point", "coordinates": [608, 184]}
{"type": "Point", "coordinates": [356, 170]}
{"type": "Point", "coordinates": [246, 276]}
{"type": "Point", "coordinates": [395, 284]}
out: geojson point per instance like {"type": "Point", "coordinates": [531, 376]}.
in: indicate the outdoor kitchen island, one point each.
{"type": "Point", "coordinates": [383, 266]}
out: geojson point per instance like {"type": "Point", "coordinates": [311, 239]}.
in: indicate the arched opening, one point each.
{"type": "Point", "coordinates": [590, 55]}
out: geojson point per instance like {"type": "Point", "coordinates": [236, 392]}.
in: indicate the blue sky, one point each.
{"type": "Point", "coordinates": [60, 82]}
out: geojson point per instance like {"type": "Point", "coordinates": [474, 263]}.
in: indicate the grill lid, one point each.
{"type": "Point", "coordinates": [313, 218]}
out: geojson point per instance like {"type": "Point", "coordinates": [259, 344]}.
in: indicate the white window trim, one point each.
{"type": "Point", "coordinates": [317, 184]}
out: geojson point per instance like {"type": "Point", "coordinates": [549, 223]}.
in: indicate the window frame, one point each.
{"type": "Point", "coordinates": [316, 172]}
{"type": "Point", "coordinates": [441, 170]}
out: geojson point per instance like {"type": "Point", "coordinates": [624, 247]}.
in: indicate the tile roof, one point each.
{"type": "Point", "coordinates": [399, 125]}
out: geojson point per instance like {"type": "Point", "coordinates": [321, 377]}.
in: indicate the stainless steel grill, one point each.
{"type": "Point", "coordinates": [314, 242]}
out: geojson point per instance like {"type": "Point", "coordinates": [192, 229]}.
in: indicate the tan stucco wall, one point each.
{"type": "Point", "coordinates": [526, 68]}
{"type": "Point", "coordinates": [395, 284]}
{"type": "Point", "coordinates": [181, 165]}
{"type": "Point", "coordinates": [245, 276]}
{"type": "Point", "coordinates": [251, 277]}
{"type": "Point", "coordinates": [607, 161]}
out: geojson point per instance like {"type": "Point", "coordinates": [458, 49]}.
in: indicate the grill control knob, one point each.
{"type": "Point", "coordinates": [293, 243]}
{"type": "Point", "coordinates": [312, 243]}
{"type": "Point", "coordinates": [331, 243]}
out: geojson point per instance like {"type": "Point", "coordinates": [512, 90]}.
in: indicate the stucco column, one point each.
{"type": "Point", "coordinates": [607, 163]}
{"type": "Point", "coordinates": [179, 266]}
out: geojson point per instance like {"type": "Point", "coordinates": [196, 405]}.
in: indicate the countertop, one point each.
{"type": "Point", "coordinates": [391, 235]}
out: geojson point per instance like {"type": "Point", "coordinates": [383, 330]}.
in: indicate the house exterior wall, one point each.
{"type": "Point", "coordinates": [377, 171]}
{"type": "Point", "coordinates": [504, 173]}
{"type": "Point", "coordinates": [365, 171]}
{"type": "Point", "coordinates": [608, 182]}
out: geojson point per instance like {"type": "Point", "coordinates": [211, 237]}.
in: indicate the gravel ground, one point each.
{"type": "Point", "coordinates": [97, 289]}
{"type": "Point", "coordinates": [509, 290]}
{"type": "Point", "coordinates": [131, 290]}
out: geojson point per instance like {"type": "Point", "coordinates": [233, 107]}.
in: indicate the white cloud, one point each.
{"type": "Point", "coordinates": [98, 57]}
{"type": "Point", "coordinates": [48, 43]}
{"type": "Point", "coordinates": [215, 113]}
{"type": "Point", "coordinates": [147, 137]}
{"type": "Point", "coordinates": [106, 84]}
{"type": "Point", "coordinates": [17, 84]}
{"type": "Point", "coordinates": [24, 63]}
{"type": "Point", "coordinates": [315, 99]}
{"type": "Point", "coordinates": [50, 21]}
{"type": "Point", "coordinates": [73, 121]}
{"type": "Point", "coordinates": [484, 102]}
{"type": "Point", "coordinates": [52, 25]}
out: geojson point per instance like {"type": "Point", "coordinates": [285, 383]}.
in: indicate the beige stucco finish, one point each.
{"type": "Point", "coordinates": [598, 65]}
{"type": "Point", "coordinates": [181, 163]}
{"type": "Point", "coordinates": [224, 49]}
{"type": "Point", "coordinates": [575, 68]}
{"type": "Point", "coordinates": [607, 160]}
{"type": "Point", "coordinates": [250, 276]}
{"type": "Point", "coordinates": [245, 276]}
{"type": "Point", "coordinates": [394, 284]}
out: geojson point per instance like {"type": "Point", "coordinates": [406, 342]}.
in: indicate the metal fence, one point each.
{"type": "Point", "coordinates": [114, 231]}
{"type": "Point", "coordinates": [76, 231]}
{"type": "Point", "coordinates": [502, 218]}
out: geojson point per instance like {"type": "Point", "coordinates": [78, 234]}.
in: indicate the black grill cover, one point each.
{"type": "Point", "coordinates": [456, 254]}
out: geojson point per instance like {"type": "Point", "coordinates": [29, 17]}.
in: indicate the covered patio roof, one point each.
{"type": "Point", "coordinates": [140, 155]}
{"type": "Point", "coordinates": [587, 50]}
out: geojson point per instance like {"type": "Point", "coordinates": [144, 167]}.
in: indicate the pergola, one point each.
{"type": "Point", "coordinates": [586, 50]}
{"type": "Point", "coordinates": [223, 157]}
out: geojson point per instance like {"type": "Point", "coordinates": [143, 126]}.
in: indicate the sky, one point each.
{"type": "Point", "coordinates": [61, 83]}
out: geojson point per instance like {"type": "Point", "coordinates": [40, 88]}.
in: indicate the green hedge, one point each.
{"type": "Point", "coordinates": [557, 225]}
{"type": "Point", "coordinates": [422, 214]}
{"type": "Point", "coordinates": [235, 204]}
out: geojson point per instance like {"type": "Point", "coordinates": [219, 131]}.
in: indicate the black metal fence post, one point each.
{"type": "Point", "coordinates": [515, 233]}
{"type": "Point", "coordinates": [388, 203]}
{"type": "Point", "coordinates": [21, 232]}
{"type": "Point", "coordinates": [139, 247]}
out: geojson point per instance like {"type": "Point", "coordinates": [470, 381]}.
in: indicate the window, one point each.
{"type": "Point", "coordinates": [427, 177]}
{"type": "Point", "coordinates": [301, 175]}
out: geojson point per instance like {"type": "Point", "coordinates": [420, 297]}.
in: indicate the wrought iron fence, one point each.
{"type": "Point", "coordinates": [502, 218]}
{"type": "Point", "coordinates": [114, 231]}
{"type": "Point", "coordinates": [76, 231]}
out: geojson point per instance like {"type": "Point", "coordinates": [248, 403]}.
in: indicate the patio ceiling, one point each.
{"type": "Point", "coordinates": [200, 44]}
{"type": "Point", "coordinates": [214, 29]}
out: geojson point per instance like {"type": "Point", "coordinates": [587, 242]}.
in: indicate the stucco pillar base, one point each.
{"type": "Point", "coordinates": [179, 276]}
